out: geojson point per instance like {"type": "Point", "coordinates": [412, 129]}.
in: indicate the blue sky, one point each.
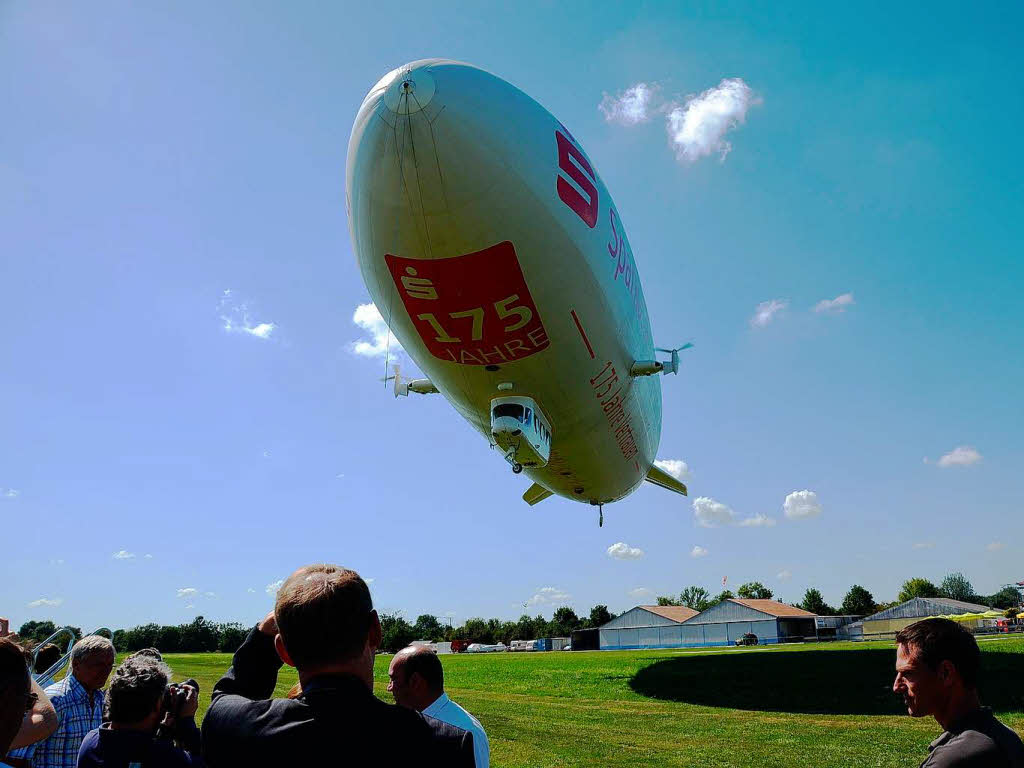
{"type": "Point", "coordinates": [153, 158]}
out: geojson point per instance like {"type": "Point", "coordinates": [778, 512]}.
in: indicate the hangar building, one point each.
{"type": "Point", "coordinates": [770, 620]}
{"type": "Point", "coordinates": [646, 626]}
{"type": "Point", "coordinates": [885, 624]}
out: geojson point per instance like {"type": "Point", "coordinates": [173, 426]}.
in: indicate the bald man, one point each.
{"type": "Point", "coordinates": [417, 682]}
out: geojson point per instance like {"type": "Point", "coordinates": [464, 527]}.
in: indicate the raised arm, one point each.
{"type": "Point", "coordinates": [40, 721]}
{"type": "Point", "coordinates": [254, 667]}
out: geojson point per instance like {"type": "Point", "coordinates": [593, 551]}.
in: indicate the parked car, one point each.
{"type": "Point", "coordinates": [748, 639]}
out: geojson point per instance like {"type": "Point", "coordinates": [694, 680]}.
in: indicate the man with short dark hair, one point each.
{"type": "Point", "coordinates": [78, 700]}
{"type": "Point", "coordinates": [16, 695]}
{"type": "Point", "coordinates": [937, 664]}
{"type": "Point", "coordinates": [323, 624]}
{"type": "Point", "coordinates": [137, 703]}
{"type": "Point", "coordinates": [416, 680]}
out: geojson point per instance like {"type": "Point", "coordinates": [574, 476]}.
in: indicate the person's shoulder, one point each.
{"type": "Point", "coordinates": [58, 693]}
{"type": "Point", "coordinates": [967, 748]}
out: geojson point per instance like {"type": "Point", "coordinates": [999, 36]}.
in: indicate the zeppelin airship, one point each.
{"type": "Point", "coordinates": [495, 254]}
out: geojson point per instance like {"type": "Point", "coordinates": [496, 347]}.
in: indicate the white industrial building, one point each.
{"type": "Point", "coordinates": [646, 626]}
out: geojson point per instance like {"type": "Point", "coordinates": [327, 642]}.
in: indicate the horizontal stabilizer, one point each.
{"type": "Point", "coordinates": [535, 493]}
{"type": "Point", "coordinates": [665, 480]}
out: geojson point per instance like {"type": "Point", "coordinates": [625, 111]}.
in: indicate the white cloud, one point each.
{"type": "Point", "coordinates": [711, 513]}
{"type": "Point", "coordinates": [10, 493]}
{"type": "Point", "coordinates": [189, 607]}
{"type": "Point", "coordinates": [640, 593]}
{"type": "Point", "coordinates": [235, 317]}
{"type": "Point", "coordinates": [697, 129]}
{"type": "Point", "coordinates": [675, 467]}
{"type": "Point", "coordinates": [924, 545]}
{"type": "Point", "coordinates": [187, 592]}
{"type": "Point", "coordinates": [211, 594]}
{"type": "Point", "coordinates": [147, 556]}
{"type": "Point", "coordinates": [251, 591]}
{"type": "Point", "coordinates": [961, 456]}
{"type": "Point", "coordinates": [757, 521]}
{"type": "Point", "coordinates": [995, 546]}
{"type": "Point", "coordinates": [123, 555]}
{"type": "Point", "coordinates": [784, 575]}
{"type": "Point", "coordinates": [630, 107]}
{"type": "Point", "coordinates": [48, 602]}
{"type": "Point", "coordinates": [836, 305]}
{"type": "Point", "coordinates": [766, 312]}
{"type": "Point", "coordinates": [698, 551]}
{"type": "Point", "coordinates": [273, 586]}
{"type": "Point", "coordinates": [548, 595]}
{"type": "Point", "coordinates": [801, 505]}
{"type": "Point", "coordinates": [622, 551]}
{"type": "Point", "coordinates": [382, 342]}
{"type": "Point", "coordinates": [56, 561]}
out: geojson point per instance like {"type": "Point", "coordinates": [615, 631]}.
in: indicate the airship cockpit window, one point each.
{"type": "Point", "coordinates": [509, 409]}
{"type": "Point", "coordinates": [529, 415]}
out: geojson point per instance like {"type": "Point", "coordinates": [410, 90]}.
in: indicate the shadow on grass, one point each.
{"type": "Point", "coordinates": [810, 682]}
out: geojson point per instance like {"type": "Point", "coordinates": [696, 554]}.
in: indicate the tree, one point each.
{"type": "Point", "coordinates": [725, 594]}
{"type": "Point", "coordinates": [565, 621]}
{"type": "Point", "coordinates": [956, 587]}
{"type": "Point", "coordinates": [754, 590]}
{"type": "Point", "coordinates": [663, 600]}
{"type": "Point", "coordinates": [36, 631]}
{"type": "Point", "coordinates": [396, 632]}
{"type": "Point", "coordinates": [427, 627]}
{"type": "Point", "coordinates": [1007, 597]}
{"type": "Point", "coordinates": [599, 615]}
{"type": "Point", "coordinates": [231, 637]}
{"type": "Point", "coordinates": [476, 630]}
{"type": "Point", "coordinates": [815, 603]}
{"type": "Point", "coordinates": [916, 587]}
{"type": "Point", "coordinates": [858, 602]}
{"type": "Point", "coordinates": [697, 598]}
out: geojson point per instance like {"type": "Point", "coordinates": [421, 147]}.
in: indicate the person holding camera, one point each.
{"type": "Point", "coordinates": [323, 624]}
{"type": "Point", "coordinates": [149, 722]}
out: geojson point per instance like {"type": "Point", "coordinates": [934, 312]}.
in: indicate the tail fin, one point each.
{"type": "Point", "coordinates": [665, 480]}
{"type": "Point", "coordinates": [535, 493]}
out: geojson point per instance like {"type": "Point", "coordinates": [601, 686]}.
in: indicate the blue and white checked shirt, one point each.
{"type": "Point", "coordinates": [77, 717]}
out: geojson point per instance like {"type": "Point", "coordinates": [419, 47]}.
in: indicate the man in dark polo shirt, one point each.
{"type": "Point", "coordinates": [323, 624]}
{"type": "Point", "coordinates": [937, 664]}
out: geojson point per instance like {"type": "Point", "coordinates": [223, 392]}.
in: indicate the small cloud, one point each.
{"type": "Point", "coordinates": [630, 107]}
{"type": "Point", "coordinates": [622, 551]}
{"type": "Point", "coordinates": [187, 592]}
{"type": "Point", "coordinates": [766, 312]}
{"type": "Point", "coordinates": [548, 595]}
{"type": "Point", "coordinates": [698, 551]}
{"type": "Point", "coordinates": [801, 505]}
{"type": "Point", "coordinates": [56, 561]}
{"type": "Point", "coordinates": [836, 305]}
{"type": "Point", "coordinates": [189, 607]}
{"type": "Point", "coordinates": [339, 476]}
{"type": "Point", "coordinates": [123, 555]}
{"type": "Point", "coordinates": [757, 521]}
{"type": "Point", "coordinates": [251, 591]}
{"type": "Point", "coordinates": [368, 581]}
{"type": "Point", "coordinates": [675, 467]}
{"type": "Point", "coordinates": [10, 493]}
{"type": "Point", "coordinates": [924, 545]}
{"type": "Point", "coordinates": [210, 594]}
{"type": "Point", "coordinates": [48, 602]}
{"type": "Point", "coordinates": [235, 317]}
{"type": "Point", "coordinates": [961, 456]}
{"type": "Point", "coordinates": [697, 128]}
{"type": "Point", "coordinates": [147, 556]}
{"type": "Point", "coordinates": [641, 593]}
{"type": "Point", "coordinates": [273, 586]}
{"type": "Point", "coordinates": [711, 513]}
{"type": "Point", "coordinates": [784, 575]}
{"type": "Point", "coordinates": [266, 454]}
{"type": "Point", "coordinates": [382, 342]}
{"type": "Point", "coordinates": [995, 546]}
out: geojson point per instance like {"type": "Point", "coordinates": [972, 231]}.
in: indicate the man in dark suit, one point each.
{"type": "Point", "coordinates": [324, 625]}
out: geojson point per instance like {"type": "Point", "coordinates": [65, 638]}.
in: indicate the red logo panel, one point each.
{"type": "Point", "coordinates": [474, 309]}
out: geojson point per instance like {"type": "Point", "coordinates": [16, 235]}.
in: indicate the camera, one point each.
{"type": "Point", "coordinates": [175, 695]}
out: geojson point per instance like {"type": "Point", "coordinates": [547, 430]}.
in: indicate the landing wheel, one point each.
{"type": "Point", "coordinates": [517, 468]}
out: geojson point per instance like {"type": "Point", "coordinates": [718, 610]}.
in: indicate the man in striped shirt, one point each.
{"type": "Point", "coordinates": [78, 699]}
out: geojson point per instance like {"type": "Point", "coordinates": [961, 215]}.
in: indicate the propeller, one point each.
{"type": "Point", "coordinates": [673, 366]}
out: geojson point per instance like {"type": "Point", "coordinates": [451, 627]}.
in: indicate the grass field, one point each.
{"type": "Point", "coordinates": [813, 705]}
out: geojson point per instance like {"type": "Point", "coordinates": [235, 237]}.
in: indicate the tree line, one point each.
{"type": "Point", "coordinates": [201, 635]}
{"type": "Point", "coordinates": [858, 601]}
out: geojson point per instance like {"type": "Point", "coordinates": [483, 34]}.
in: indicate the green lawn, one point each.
{"type": "Point", "coordinates": [820, 705]}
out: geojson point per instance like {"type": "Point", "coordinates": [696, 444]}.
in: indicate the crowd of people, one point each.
{"type": "Point", "coordinates": [324, 625]}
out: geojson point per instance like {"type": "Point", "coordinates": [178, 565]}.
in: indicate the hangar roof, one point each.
{"type": "Point", "coordinates": [774, 608]}
{"type": "Point", "coordinates": [678, 613]}
{"type": "Point", "coordinates": [920, 607]}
